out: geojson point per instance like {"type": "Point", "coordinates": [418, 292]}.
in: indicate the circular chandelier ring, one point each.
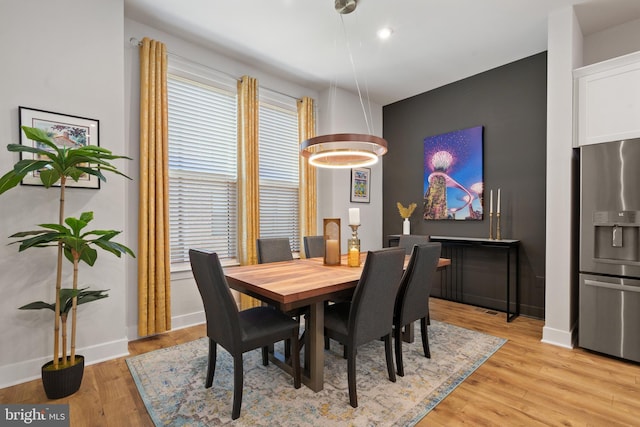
{"type": "Point", "coordinates": [343, 150]}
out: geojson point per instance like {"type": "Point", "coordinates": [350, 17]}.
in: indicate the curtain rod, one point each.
{"type": "Point", "coordinates": [137, 43]}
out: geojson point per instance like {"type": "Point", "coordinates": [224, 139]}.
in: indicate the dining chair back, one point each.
{"type": "Point", "coordinates": [313, 246]}
{"type": "Point", "coordinates": [408, 241]}
{"type": "Point", "coordinates": [369, 315]}
{"type": "Point", "coordinates": [273, 249]}
{"type": "Point", "coordinates": [238, 331]}
{"type": "Point", "coordinates": [276, 249]}
{"type": "Point", "coordinates": [412, 300]}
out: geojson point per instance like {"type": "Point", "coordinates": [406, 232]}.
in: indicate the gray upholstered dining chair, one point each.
{"type": "Point", "coordinates": [369, 315]}
{"type": "Point", "coordinates": [313, 246]}
{"type": "Point", "coordinates": [276, 249]}
{"type": "Point", "coordinates": [238, 331]}
{"type": "Point", "coordinates": [273, 249]}
{"type": "Point", "coordinates": [412, 300]}
{"type": "Point", "coordinates": [407, 241]}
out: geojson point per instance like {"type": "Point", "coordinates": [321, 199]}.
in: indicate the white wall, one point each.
{"type": "Point", "coordinates": [341, 112]}
{"type": "Point", "coordinates": [612, 42]}
{"type": "Point", "coordinates": [564, 41]}
{"type": "Point", "coordinates": [67, 57]}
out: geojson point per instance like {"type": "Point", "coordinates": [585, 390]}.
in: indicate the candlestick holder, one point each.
{"type": "Point", "coordinates": [498, 235]}
{"type": "Point", "coordinates": [353, 247]}
{"type": "Point", "coordinates": [491, 226]}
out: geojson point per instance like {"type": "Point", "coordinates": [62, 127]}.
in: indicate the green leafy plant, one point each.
{"type": "Point", "coordinates": [77, 246]}
{"type": "Point", "coordinates": [82, 296]}
{"type": "Point", "coordinates": [58, 164]}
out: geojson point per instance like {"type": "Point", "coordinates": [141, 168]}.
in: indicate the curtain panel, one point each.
{"type": "Point", "coordinates": [248, 178]}
{"type": "Point", "coordinates": [154, 276]}
{"type": "Point", "coordinates": [308, 183]}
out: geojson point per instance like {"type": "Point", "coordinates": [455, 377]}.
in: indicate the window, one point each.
{"type": "Point", "coordinates": [279, 157]}
{"type": "Point", "coordinates": [202, 162]}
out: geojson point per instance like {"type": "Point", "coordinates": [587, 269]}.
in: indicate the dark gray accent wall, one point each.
{"type": "Point", "coordinates": [511, 103]}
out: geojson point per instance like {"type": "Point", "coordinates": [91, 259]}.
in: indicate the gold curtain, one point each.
{"type": "Point", "coordinates": [308, 187]}
{"type": "Point", "coordinates": [154, 276]}
{"type": "Point", "coordinates": [248, 178]}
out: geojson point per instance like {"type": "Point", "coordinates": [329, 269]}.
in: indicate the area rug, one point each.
{"type": "Point", "coordinates": [171, 384]}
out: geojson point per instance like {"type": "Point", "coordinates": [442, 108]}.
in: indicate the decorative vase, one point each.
{"type": "Point", "coordinates": [406, 226]}
{"type": "Point", "coordinates": [62, 382]}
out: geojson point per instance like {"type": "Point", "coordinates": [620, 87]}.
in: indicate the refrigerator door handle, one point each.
{"type": "Point", "coordinates": [614, 286]}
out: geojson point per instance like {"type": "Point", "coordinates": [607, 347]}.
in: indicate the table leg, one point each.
{"type": "Point", "coordinates": [314, 372]}
{"type": "Point", "coordinates": [508, 284]}
{"type": "Point", "coordinates": [407, 333]}
{"type": "Point", "coordinates": [516, 312]}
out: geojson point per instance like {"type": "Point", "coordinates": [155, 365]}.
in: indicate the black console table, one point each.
{"type": "Point", "coordinates": [506, 245]}
{"type": "Point", "coordinates": [393, 239]}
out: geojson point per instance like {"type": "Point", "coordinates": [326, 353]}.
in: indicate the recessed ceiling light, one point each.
{"type": "Point", "coordinates": [384, 33]}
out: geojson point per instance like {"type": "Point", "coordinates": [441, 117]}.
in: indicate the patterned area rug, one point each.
{"type": "Point", "coordinates": [171, 383]}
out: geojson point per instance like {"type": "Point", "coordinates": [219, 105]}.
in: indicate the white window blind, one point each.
{"type": "Point", "coordinates": [202, 166]}
{"type": "Point", "coordinates": [279, 157]}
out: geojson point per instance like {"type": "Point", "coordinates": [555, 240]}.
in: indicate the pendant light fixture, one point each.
{"type": "Point", "coordinates": [345, 150]}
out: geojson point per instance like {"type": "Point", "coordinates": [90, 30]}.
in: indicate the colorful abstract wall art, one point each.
{"type": "Point", "coordinates": [453, 175]}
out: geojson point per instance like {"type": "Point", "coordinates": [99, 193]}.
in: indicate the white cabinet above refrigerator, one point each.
{"type": "Point", "coordinates": [607, 100]}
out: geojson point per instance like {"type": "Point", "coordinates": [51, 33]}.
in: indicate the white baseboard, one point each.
{"type": "Point", "coordinates": [187, 320]}
{"type": "Point", "coordinates": [28, 370]}
{"type": "Point", "coordinates": [177, 322]}
{"type": "Point", "coordinates": [558, 337]}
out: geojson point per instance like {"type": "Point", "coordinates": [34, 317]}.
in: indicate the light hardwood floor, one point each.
{"type": "Point", "coordinates": [526, 383]}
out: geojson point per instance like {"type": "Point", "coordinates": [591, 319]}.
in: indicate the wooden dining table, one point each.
{"type": "Point", "coordinates": [289, 285]}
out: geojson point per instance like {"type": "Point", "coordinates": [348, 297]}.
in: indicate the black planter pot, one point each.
{"type": "Point", "coordinates": [62, 382]}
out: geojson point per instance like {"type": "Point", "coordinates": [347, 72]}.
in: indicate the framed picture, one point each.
{"type": "Point", "coordinates": [453, 175]}
{"type": "Point", "coordinates": [66, 131]}
{"type": "Point", "coordinates": [360, 180]}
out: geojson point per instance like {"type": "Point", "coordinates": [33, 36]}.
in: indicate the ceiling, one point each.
{"type": "Point", "coordinates": [434, 42]}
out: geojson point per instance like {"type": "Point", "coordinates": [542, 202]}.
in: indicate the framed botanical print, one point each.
{"type": "Point", "coordinates": [66, 131]}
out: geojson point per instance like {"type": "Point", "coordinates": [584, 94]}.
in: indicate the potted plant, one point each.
{"type": "Point", "coordinates": [405, 213]}
{"type": "Point", "coordinates": [63, 374]}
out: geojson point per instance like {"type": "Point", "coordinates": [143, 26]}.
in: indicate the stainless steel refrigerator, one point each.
{"type": "Point", "coordinates": [609, 314]}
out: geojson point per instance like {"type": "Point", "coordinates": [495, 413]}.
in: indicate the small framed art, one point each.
{"type": "Point", "coordinates": [66, 131]}
{"type": "Point", "coordinates": [360, 185]}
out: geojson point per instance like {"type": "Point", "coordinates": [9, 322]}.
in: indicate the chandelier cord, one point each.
{"type": "Point", "coordinates": [345, 150]}
{"type": "Point", "coordinates": [355, 75]}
